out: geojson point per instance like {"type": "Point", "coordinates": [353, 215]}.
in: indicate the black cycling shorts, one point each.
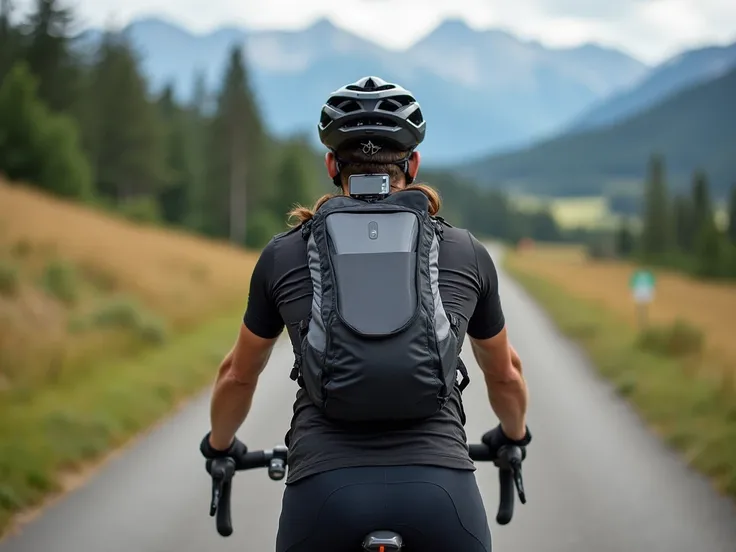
{"type": "Point", "coordinates": [433, 509]}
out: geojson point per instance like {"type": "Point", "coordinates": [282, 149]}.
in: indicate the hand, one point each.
{"type": "Point", "coordinates": [236, 449]}
{"type": "Point", "coordinates": [496, 438]}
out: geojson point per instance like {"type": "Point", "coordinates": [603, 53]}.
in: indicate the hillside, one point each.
{"type": "Point", "coordinates": [105, 327]}
{"type": "Point", "coordinates": [691, 129]}
{"type": "Point", "coordinates": [98, 285]}
{"type": "Point", "coordinates": [521, 89]}
{"type": "Point", "coordinates": [687, 69]}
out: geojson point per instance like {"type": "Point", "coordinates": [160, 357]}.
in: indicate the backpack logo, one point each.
{"type": "Point", "coordinates": [373, 230]}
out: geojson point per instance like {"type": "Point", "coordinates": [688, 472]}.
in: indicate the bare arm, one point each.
{"type": "Point", "coordinates": [239, 371]}
{"type": "Point", "coordinates": [235, 384]}
{"type": "Point", "coordinates": [507, 391]}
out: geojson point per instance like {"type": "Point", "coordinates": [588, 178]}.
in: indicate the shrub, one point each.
{"type": "Point", "coordinates": [126, 314]}
{"type": "Point", "coordinates": [21, 249]}
{"type": "Point", "coordinates": [116, 313]}
{"type": "Point", "coordinates": [675, 340]}
{"type": "Point", "coordinates": [601, 247]}
{"type": "Point", "coordinates": [140, 209]}
{"type": "Point", "coordinates": [9, 279]}
{"type": "Point", "coordinates": [60, 281]}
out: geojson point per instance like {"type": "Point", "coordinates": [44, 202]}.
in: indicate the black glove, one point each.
{"type": "Point", "coordinates": [236, 449]}
{"type": "Point", "coordinates": [496, 438]}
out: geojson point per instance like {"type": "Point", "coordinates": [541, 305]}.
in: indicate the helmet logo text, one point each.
{"type": "Point", "coordinates": [370, 148]}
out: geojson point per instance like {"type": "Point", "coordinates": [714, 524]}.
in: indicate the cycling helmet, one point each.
{"type": "Point", "coordinates": [375, 110]}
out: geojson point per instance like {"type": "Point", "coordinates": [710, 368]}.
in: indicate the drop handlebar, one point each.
{"type": "Point", "coordinates": [508, 460]}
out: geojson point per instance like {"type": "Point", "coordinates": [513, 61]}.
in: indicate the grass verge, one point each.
{"type": "Point", "coordinates": [694, 413]}
{"type": "Point", "coordinates": [49, 432]}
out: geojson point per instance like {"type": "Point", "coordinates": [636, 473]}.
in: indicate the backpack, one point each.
{"type": "Point", "coordinates": [378, 344]}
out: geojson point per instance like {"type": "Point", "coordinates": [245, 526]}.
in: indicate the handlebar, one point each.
{"type": "Point", "coordinates": [508, 460]}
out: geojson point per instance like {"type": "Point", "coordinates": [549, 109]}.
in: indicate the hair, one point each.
{"type": "Point", "coordinates": [357, 162]}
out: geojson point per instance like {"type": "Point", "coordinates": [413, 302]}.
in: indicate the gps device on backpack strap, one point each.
{"type": "Point", "coordinates": [369, 186]}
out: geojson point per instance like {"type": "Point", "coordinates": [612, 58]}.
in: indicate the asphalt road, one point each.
{"type": "Point", "coordinates": [596, 479]}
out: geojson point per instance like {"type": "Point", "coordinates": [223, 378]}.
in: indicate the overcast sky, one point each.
{"type": "Point", "coordinates": [649, 29]}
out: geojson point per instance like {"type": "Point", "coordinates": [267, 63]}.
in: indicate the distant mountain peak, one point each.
{"type": "Point", "coordinates": [526, 90]}
{"type": "Point", "coordinates": [680, 71]}
{"type": "Point", "coordinates": [323, 25]}
{"type": "Point", "coordinates": [154, 23]}
{"type": "Point", "coordinates": [450, 29]}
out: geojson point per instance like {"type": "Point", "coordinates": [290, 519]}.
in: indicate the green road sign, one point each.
{"type": "Point", "coordinates": [642, 284]}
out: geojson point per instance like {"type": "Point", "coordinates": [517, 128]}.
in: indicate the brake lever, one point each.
{"type": "Point", "coordinates": [217, 486]}
{"type": "Point", "coordinates": [518, 480]}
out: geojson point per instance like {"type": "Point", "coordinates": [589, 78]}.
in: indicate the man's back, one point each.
{"type": "Point", "coordinates": [282, 294]}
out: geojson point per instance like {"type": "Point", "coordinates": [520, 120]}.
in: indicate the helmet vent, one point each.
{"type": "Point", "coordinates": [364, 122]}
{"type": "Point", "coordinates": [416, 118]}
{"type": "Point", "coordinates": [376, 89]}
{"type": "Point", "coordinates": [324, 119]}
{"type": "Point", "coordinates": [388, 105]}
{"type": "Point", "coordinates": [395, 103]}
{"type": "Point", "coordinates": [346, 105]}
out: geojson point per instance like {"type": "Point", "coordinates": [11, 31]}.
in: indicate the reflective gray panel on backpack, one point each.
{"type": "Point", "coordinates": [374, 262]}
{"type": "Point", "coordinates": [373, 233]}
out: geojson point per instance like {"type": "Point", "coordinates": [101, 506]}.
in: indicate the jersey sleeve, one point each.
{"type": "Point", "coordinates": [262, 316]}
{"type": "Point", "coordinates": [487, 319]}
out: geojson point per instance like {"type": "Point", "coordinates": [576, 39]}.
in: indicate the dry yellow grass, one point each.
{"type": "Point", "coordinates": [709, 306]}
{"type": "Point", "coordinates": [180, 278]}
{"type": "Point", "coordinates": [176, 274]}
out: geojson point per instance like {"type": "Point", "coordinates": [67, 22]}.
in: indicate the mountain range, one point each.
{"type": "Point", "coordinates": [694, 129]}
{"type": "Point", "coordinates": [686, 69]}
{"type": "Point", "coordinates": [508, 113]}
{"type": "Point", "coordinates": [481, 91]}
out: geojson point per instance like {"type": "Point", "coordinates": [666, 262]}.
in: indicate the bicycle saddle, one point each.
{"type": "Point", "coordinates": [383, 541]}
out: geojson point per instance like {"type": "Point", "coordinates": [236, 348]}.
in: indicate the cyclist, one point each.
{"type": "Point", "coordinates": [346, 480]}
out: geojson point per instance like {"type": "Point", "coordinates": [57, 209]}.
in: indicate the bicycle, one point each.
{"type": "Point", "coordinates": [222, 470]}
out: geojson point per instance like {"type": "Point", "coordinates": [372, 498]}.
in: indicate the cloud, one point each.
{"type": "Point", "coordinates": [650, 29]}
{"type": "Point", "coordinates": [587, 8]}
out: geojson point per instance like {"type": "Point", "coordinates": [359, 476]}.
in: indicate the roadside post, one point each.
{"type": "Point", "coordinates": [642, 285]}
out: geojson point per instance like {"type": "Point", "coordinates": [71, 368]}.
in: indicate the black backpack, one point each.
{"type": "Point", "coordinates": [378, 344]}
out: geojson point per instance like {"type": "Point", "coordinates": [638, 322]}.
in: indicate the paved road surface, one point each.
{"type": "Point", "coordinates": [596, 480]}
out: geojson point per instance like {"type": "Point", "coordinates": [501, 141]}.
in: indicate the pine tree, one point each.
{"type": "Point", "coordinates": [10, 39]}
{"type": "Point", "coordinates": [701, 202]}
{"type": "Point", "coordinates": [296, 181]}
{"type": "Point", "coordinates": [49, 55]}
{"type": "Point", "coordinates": [22, 119]}
{"type": "Point", "coordinates": [624, 239]}
{"type": "Point", "coordinates": [657, 234]}
{"type": "Point", "coordinates": [732, 215]}
{"type": "Point", "coordinates": [707, 240]}
{"type": "Point", "coordinates": [176, 198]}
{"type": "Point", "coordinates": [684, 228]}
{"type": "Point", "coordinates": [709, 250]}
{"type": "Point", "coordinates": [196, 128]}
{"type": "Point", "coordinates": [236, 151]}
{"type": "Point", "coordinates": [200, 102]}
{"type": "Point", "coordinates": [37, 146]}
{"type": "Point", "coordinates": [124, 134]}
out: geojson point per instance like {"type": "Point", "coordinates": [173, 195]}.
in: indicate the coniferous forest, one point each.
{"type": "Point", "coordinates": [86, 125]}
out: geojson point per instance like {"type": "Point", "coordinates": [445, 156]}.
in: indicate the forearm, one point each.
{"type": "Point", "coordinates": [507, 392]}
{"type": "Point", "coordinates": [231, 401]}
{"type": "Point", "coordinates": [509, 402]}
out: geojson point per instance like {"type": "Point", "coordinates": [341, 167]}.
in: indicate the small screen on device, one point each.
{"type": "Point", "coordinates": [369, 184]}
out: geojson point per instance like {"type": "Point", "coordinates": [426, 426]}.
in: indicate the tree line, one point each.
{"type": "Point", "coordinates": [82, 122]}
{"type": "Point", "coordinates": [680, 230]}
